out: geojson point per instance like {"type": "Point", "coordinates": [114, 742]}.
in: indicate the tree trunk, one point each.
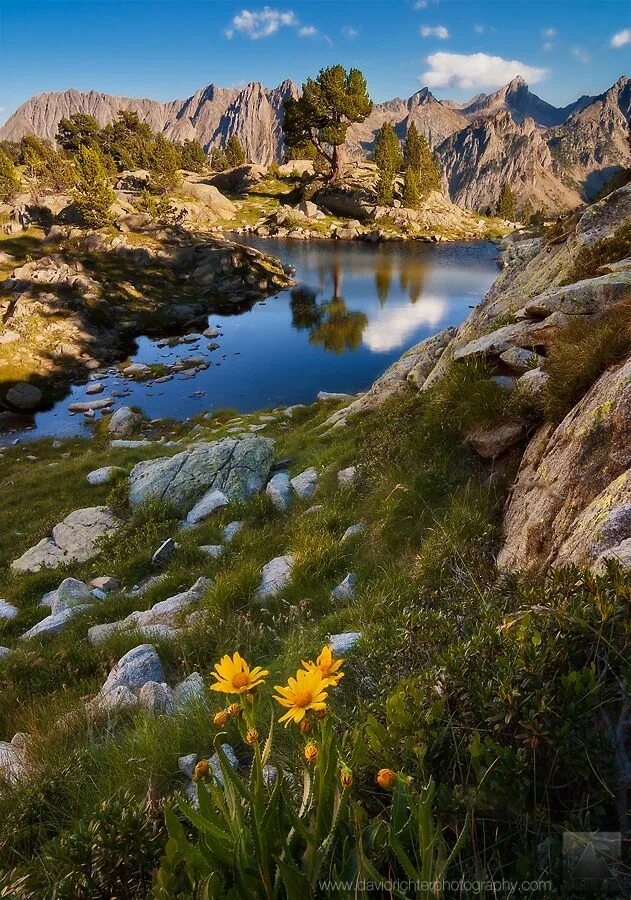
{"type": "Point", "coordinates": [338, 163]}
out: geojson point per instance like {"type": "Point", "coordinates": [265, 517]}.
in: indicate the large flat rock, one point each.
{"type": "Point", "coordinates": [75, 539]}
{"type": "Point", "coordinates": [237, 468]}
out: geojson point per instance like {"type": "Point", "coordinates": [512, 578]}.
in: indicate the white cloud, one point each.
{"type": "Point", "coordinates": [307, 31]}
{"type": "Point", "coordinates": [549, 33]}
{"type": "Point", "coordinates": [476, 70]}
{"type": "Point", "coordinates": [421, 4]}
{"type": "Point", "coordinates": [440, 32]}
{"type": "Point", "coordinates": [621, 38]}
{"type": "Point", "coordinates": [350, 32]}
{"type": "Point", "coordinates": [548, 45]}
{"type": "Point", "coordinates": [262, 23]}
{"type": "Point", "coordinates": [391, 327]}
{"type": "Point", "coordinates": [580, 54]}
{"type": "Point", "coordinates": [479, 29]}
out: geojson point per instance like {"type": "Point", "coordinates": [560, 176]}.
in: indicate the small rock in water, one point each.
{"type": "Point", "coordinates": [331, 395]}
{"type": "Point", "coordinates": [211, 332]}
{"type": "Point", "coordinates": [96, 388]}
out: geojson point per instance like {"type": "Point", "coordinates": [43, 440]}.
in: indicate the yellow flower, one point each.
{"type": "Point", "coordinates": [311, 752]}
{"type": "Point", "coordinates": [346, 777]}
{"type": "Point", "coordinates": [386, 778]}
{"type": "Point", "coordinates": [234, 709]}
{"type": "Point", "coordinates": [252, 736]}
{"type": "Point", "coordinates": [305, 691]}
{"type": "Point", "coordinates": [201, 770]}
{"type": "Point", "coordinates": [221, 718]}
{"type": "Point", "coordinates": [327, 666]}
{"type": "Point", "coordinates": [233, 676]}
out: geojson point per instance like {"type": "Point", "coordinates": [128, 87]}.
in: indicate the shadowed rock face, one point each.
{"type": "Point", "coordinates": [238, 468]}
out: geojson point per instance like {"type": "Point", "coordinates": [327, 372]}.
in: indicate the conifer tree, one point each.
{"type": "Point", "coordinates": [323, 112]}
{"type": "Point", "coordinates": [9, 181]}
{"type": "Point", "coordinates": [506, 203]}
{"type": "Point", "coordinates": [218, 160]}
{"type": "Point", "coordinates": [412, 149]}
{"type": "Point", "coordinates": [235, 154]}
{"type": "Point", "coordinates": [389, 160]}
{"type": "Point", "coordinates": [411, 189]}
{"type": "Point", "coordinates": [165, 161]}
{"type": "Point", "coordinates": [430, 175]}
{"type": "Point", "coordinates": [92, 193]}
{"type": "Point", "coordinates": [193, 157]}
{"type": "Point", "coordinates": [76, 131]}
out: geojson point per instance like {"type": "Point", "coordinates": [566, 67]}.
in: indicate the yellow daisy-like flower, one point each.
{"type": "Point", "coordinates": [234, 676]}
{"type": "Point", "coordinates": [305, 691]}
{"type": "Point", "coordinates": [327, 666]}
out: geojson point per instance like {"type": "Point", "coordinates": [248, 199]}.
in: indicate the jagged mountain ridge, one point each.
{"type": "Point", "coordinates": [553, 157]}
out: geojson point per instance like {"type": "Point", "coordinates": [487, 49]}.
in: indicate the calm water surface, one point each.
{"type": "Point", "coordinates": [355, 309]}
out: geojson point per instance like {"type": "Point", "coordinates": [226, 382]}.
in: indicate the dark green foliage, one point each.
{"type": "Point", "coordinates": [412, 150]}
{"type": "Point", "coordinates": [112, 854]}
{"type": "Point", "coordinates": [389, 159]}
{"type": "Point", "coordinates": [429, 172]}
{"type": "Point", "coordinates": [411, 189]}
{"type": "Point", "coordinates": [92, 193]}
{"type": "Point", "coordinates": [591, 257]}
{"type": "Point", "coordinates": [321, 115]}
{"type": "Point", "coordinates": [506, 203]}
{"type": "Point", "coordinates": [76, 131]}
{"type": "Point", "coordinates": [581, 352]}
{"type": "Point", "coordinates": [128, 141]}
{"type": "Point", "coordinates": [193, 158]}
{"type": "Point", "coordinates": [164, 164]}
{"type": "Point", "coordinates": [12, 150]}
{"type": "Point", "coordinates": [45, 166]}
{"type": "Point", "coordinates": [9, 181]}
{"type": "Point", "coordinates": [218, 160]}
{"type": "Point", "coordinates": [235, 154]}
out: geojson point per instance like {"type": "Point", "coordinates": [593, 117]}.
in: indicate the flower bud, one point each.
{"type": "Point", "coordinates": [252, 736]}
{"type": "Point", "coordinates": [386, 778]}
{"type": "Point", "coordinates": [221, 718]}
{"type": "Point", "coordinates": [311, 752]}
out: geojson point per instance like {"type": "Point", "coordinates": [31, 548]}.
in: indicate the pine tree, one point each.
{"type": "Point", "coordinates": [323, 112]}
{"type": "Point", "coordinates": [76, 131]}
{"type": "Point", "coordinates": [93, 194]}
{"type": "Point", "coordinates": [218, 161]}
{"type": "Point", "coordinates": [430, 176]}
{"type": "Point", "coordinates": [164, 164]}
{"type": "Point", "coordinates": [389, 160]}
{"type": "Point", "coordinates": [411, 189]}
{"type": "Point", "coordinates": [235, 154]}
{"type": "Point", "coordinates": [506, 203]}
{"type": "Point", "coordinates": [193, 157]}
{"type": "Point", "coordinates": [412, 149]}
{"type": "Point", "coordinates": [9, 181]}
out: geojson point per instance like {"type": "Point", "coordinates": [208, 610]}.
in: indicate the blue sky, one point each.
{"type": "Point", "coordinates": [167, 50]}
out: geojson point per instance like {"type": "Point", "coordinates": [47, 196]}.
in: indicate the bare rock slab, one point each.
{"type": "Point", "coordinates": [279, 491]}
{"type": "Point", "coordinates": [237, 468]}
{"type": "Point", "coordinates": [305, 483]}
{"type": "Point", "coordinates": [73, 540]}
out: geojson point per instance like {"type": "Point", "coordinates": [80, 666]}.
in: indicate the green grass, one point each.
{"type": "Point", "coordinates": [580, 353]}
{"type": "Point", "coordinates": [439, 684]}
{"type": "Point", "coordinates": [593, 257]}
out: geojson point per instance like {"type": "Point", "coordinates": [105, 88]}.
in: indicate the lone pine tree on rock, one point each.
{"type": "Point", "coordinates": [92, 193]}
{"type": "Point", "coordinates": [235, 154]}
{"type": "Point", "coordinates": [321, 116]}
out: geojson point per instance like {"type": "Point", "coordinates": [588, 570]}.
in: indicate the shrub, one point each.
{"type": "Point", "coordinates": [591, 258]}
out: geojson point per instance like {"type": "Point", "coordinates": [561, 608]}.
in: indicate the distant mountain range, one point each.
{"type": "Point", "coordinates": [553, 157]}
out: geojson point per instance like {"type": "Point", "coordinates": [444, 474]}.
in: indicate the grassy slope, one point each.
{"type": "Point", "coordinates": [428, 604]}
